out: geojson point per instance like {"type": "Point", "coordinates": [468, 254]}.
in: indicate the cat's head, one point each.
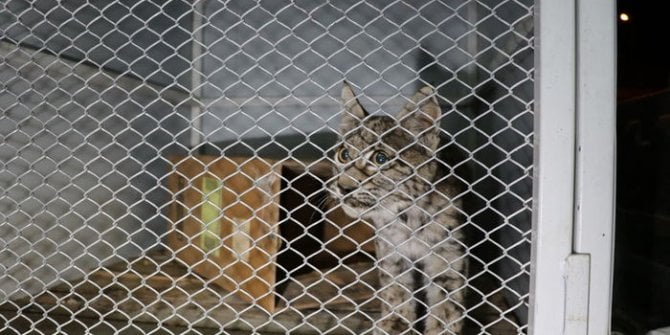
{"type": "Point", "coordinates": [383, 164]}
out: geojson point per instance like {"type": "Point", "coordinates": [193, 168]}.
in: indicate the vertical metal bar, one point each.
{"type": "Point", "coordinates": [553, 186]}
{"type": "Point", "coordinates": [577, 292]}
{"type": "Point", "coordinates": [595, 165]}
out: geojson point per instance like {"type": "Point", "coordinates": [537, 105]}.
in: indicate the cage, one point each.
{"type": "Point", "coordinates": [127, 126]}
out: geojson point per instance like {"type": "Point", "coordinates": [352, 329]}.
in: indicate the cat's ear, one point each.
{"type": "Point", "coordinates": [353, 112]}
{"type": "Point", "coordinates": [421, 117]}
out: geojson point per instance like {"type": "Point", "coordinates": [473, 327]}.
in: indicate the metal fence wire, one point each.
{"type": "Point", "coordinates": [164, 164]}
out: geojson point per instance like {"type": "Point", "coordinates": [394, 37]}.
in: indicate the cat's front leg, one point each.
{"type": "Point", "coordinates": [446, 313]}
{"type": "Point", "coordinates": [397, 312]}
{"type": "Point", "coordinates": [446, 296]}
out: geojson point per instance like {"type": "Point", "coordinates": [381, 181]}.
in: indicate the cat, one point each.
{"type": "Point", "coordinates": [387, 172]}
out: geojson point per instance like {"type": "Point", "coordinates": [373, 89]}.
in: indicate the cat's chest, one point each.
{"type": "Point", "coordinates": [412, 237]}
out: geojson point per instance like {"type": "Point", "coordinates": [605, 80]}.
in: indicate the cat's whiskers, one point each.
{"type": "Point", "coordinates": [321, 205]}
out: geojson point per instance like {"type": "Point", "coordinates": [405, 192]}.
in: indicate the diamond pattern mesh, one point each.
{"type": "Point", "coordinates": [163, 163]}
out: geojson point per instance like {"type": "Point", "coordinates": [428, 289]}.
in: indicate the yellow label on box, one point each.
{"type": "Point", "coordinates": [210, 213]}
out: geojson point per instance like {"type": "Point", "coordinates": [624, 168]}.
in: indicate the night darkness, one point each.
{"type": "Point", "coordinates": [642, 247]}
{"type": "Point", "coordinates": [643, 56]}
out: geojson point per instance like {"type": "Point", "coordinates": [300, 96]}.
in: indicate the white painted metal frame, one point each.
{"type": "Point", "coordinates": [573, 221]}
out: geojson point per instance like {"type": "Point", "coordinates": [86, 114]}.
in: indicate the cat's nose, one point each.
{"type": "Point", "coordinates": [346, 189]}
{"type": "Point", "coordinates": [346, 184]}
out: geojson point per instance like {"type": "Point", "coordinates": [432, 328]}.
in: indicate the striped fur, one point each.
{"type": "Point", "coordinates": [387, 173]}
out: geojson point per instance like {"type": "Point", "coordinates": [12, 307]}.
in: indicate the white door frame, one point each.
{"type": "Point", "coordinates": [574, 167]}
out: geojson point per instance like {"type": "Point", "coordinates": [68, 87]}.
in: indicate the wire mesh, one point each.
{"type": "Point", "coordinates": [164, 163]}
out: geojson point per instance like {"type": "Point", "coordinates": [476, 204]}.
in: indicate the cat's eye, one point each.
{"type": "Point", "coordinates": [344, 155]}
{"type": "Point", "coordinates": [380, 157]}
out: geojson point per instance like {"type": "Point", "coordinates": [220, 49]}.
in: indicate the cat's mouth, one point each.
{"type": "Point", "coordinates": [357, 204]}
{"type": "Point", "coordinates": [359, 201]}
{"type": "Point", "coordinates": [354, 203]}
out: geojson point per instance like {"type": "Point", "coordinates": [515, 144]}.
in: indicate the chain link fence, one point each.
{"type": "Point", "coordinates": [163, 163]}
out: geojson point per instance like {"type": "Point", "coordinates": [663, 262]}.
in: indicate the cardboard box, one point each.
{"type": "Point", "coordinates": [241, 222]}
{"type": "Point", "coordinates": [226, 215]}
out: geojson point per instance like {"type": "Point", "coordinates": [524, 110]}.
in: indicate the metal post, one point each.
{"type": "Point", "coordinates": [595, 154]}
{"type": "Point", "coordinates": [574, 168]}
{"type": "Point", "coordinates": [553, 189]}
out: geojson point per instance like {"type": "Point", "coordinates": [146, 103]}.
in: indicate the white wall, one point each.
{"type": "Point", "coordinates": [81, 154]}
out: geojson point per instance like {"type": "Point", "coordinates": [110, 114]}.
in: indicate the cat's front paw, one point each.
{"type": "Point", "coordinates": [392, 325]}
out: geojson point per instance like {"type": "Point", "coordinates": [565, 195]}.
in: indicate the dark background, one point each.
{"type": "Point", "coordinates": [642, 249]}
{"type": "Point", "coordinates": [643, 47]}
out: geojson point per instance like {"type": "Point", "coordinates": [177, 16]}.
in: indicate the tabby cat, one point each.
{"type": "Point", "coordinates": [387, 173]}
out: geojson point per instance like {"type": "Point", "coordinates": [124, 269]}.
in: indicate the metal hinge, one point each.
{"type": "Point", "coordinates": [577, 282]}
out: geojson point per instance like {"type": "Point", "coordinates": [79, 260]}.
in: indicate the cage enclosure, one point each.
{"type": "Point", "coordinates": [164, 163]}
